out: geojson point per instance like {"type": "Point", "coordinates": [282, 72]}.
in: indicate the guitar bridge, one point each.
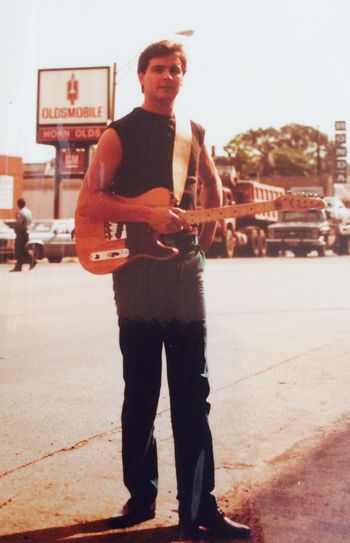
{"type": "Point", "coordinates": [109, 255]}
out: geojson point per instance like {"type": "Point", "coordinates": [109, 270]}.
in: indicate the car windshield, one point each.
{"type": "Point", "coordinates": [333, 202]}
{"type": "Point", "coordinates": [312, 215]}
{"type": "Point", "coordinates": [42, 226]}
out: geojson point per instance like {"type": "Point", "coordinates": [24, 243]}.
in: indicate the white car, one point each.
{"type": "Point", "coordinates": [52, 239]}
{"type": "Point", "coordinates": [7, 241]}
{"type": "Point", "coordinates": [336, 209]}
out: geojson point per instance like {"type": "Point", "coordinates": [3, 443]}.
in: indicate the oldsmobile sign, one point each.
{"type": "Point", "coordinates": [73, 104]}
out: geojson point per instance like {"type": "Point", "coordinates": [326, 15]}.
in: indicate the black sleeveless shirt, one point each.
{"type": "Point", "coordinates": [148, 142]}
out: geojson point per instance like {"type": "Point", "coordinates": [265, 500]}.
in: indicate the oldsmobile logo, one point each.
{"type": "Point", "coordinates": [72, 89]}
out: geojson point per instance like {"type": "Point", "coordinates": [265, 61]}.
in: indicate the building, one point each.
{"type": "Point", "coordinates": [11, 185]}
{"type": "Point", "coordinates": [38, 190]}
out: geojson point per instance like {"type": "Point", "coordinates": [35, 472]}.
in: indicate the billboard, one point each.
{"type": "Point", "coordinates": [73, 104]}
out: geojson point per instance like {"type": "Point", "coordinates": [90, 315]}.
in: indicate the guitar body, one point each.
{"type": "Point", "coordinates": [100, 252]}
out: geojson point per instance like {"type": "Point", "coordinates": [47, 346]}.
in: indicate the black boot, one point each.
{"type": "Point", "coordinates": [133, 513]}
{"type": "Point", "coordinates": [213, 519]}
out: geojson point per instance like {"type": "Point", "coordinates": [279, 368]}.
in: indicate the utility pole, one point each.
{"type": "Point", "coordinates": [318, 157]}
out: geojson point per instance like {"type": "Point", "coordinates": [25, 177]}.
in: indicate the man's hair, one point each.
{"type": "Point", "coordinates": [162, 48]}
{"type": "Point", "coordinates": [21, 202]}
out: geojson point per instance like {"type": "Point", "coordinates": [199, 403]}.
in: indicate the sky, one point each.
{"type": "Point", "coordinates": [252, 63]}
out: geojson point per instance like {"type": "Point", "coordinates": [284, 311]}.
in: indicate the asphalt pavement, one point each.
{"type": "Point", "coordinates": [278, 353]}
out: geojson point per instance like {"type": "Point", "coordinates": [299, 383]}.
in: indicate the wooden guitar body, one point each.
{"type": "Point", "coordinates": [100, 252]}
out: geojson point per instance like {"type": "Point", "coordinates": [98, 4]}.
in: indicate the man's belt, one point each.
{"type": "Point", "coordinates": [181, 240]}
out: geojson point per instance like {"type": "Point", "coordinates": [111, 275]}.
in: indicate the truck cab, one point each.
{"type": "Point", "coordinates": [301, 232]}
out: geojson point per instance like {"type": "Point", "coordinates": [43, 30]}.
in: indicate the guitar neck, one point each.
{"type": "Point", "coordinates": [198, 216]}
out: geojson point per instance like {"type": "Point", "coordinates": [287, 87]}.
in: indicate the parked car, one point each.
{"type": "Point", "coordinates": [339, 214]}
{"type": "Point", "coordinates": [10, 222]}
{"type": "Point", "coordinates": [343, 241]}
{"type": "Point", "coordinates": [52, 239]}
{"type": "Point", "coordinates": [336, 209]}
{"type": "Point", "coordinates": [302, 232]}
{"type": "Point", "coordinates": [7, 241]}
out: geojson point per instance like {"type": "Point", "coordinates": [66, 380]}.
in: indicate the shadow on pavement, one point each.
{"type": "Point", "coordinates": [93, 532]}
{"type": "Point", "coordinates": [98, 532]}
{"type": "Point", "coordinates": [309, 500]}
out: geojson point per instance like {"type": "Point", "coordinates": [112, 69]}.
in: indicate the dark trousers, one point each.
{"type": "Point", "coordinates": [160, 304]}
{"type": "Point", "coordinates": [22, 255]}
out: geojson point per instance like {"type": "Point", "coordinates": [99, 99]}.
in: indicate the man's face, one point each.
{"type": "Point", "coordinates": [163, 78]}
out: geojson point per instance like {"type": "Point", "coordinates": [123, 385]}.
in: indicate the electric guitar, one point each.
{"type": "Point", "coordinates": [101, 250]}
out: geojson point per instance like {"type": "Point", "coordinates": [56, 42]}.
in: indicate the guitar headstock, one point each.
{"type": "Point", "coordinates": [299, 202]}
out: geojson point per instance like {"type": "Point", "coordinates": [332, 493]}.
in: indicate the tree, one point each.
{"type": "Point", "coordinates": [290, 161]}
{"type": "Point", "coordinates": [293, 150]}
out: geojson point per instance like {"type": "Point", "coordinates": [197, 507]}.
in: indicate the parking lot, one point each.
{"type": "Point", "coordinates": [278, 352]}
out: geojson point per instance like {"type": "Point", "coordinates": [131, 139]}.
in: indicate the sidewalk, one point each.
{"type": "Point", "coordinates": [306, 501]}
{"type": "Point", "coordinates": [280, 412]}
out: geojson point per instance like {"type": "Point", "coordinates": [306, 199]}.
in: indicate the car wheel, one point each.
{"type": "Point", "coordinates": [271, 250]}
{"type": "Point", "coordinates": [321, 251]}
{"type": "Point", "coordinates": [229, 244]}
{"type": "Point", "coordinates": [54, 259]}
{"type": "Point", "coordinates": [300, 252]}
{"type": "Point", "coordinates": [343, 246]}
{"type": "Point", "coordinates": [262, 243]}
{"type": "Point", "coordinates": [253, 245]}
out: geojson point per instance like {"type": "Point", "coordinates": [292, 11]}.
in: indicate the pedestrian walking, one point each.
{"type": "Point", "coordinates": [23, 221]}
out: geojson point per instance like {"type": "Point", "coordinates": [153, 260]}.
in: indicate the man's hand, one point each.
{"type": "Point", "coordinates": [167, 220]}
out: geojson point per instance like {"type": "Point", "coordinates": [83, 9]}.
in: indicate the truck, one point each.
{"type": "Point", "coordinates": [311, 230]}
{"type": "Point", "coordinates": [244, 236]}
{"type": "Point", "coordinates": [301, 232]}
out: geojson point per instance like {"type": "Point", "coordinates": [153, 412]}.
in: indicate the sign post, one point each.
{"type": "Point", "coordinates": [73, 109]}
{"type": "Point", "coordinates": [340, 173]}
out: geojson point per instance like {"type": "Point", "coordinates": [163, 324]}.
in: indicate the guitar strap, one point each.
{"type": "Point", "coordinates": [181, 156]}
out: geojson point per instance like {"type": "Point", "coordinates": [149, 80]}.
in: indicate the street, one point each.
{"type": "Point", "coordinates": [278, 351]}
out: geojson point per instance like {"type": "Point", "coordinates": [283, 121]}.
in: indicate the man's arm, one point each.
{"type": "Point", "coordinates": [95, 203]}
{"type": "Point", "coordinates": [21, 222]}
{"type": "Point", "coordinates": [210, 196]}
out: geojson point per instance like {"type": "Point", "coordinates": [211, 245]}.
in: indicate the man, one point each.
{"type": "Point", "coordinates": [160, 302]}
{"type": "Point", "coordinates": [23, 221]}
